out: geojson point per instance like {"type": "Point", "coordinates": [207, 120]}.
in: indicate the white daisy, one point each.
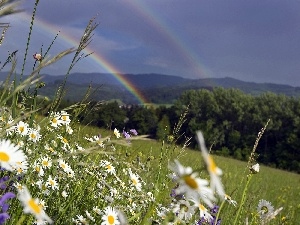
{"type": "Point", "coordinates": [135, 181]}
{"type": "Point", "coordinates": [34, 135]}
{"type": "Point", "coordinates": [22, 128]}
{"type": "Point", "coordinates": [191, 185]}
{"type": "Point", "coordinates": [65, 117]}
{"type": "Point", "coordinates": [32, 206]}
{"type": "Point", "coordinates": [110, 216]}
{"type": "Point", "coordinates": [214, 171]}
{"type": "Point", "coordinates": [117, 133]}
{"type": "Point", "coordinates": [51, 182]}
{"type": "Point", "coordinates": [264, 209]}
{"type": "Point", "coordinates": [11, 155]}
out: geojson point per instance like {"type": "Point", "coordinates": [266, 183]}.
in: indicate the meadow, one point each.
{"type": "Point", "coordinates": [55, 170]}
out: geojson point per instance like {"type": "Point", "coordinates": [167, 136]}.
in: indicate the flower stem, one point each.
{"type": "Point", "coordinates": [243, 199]}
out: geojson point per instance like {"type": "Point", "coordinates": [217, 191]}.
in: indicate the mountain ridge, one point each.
{"type": "Point", "coordinates": [159, 88]}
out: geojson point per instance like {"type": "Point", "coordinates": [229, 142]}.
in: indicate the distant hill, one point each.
{"type": "Point", "coordinates": [158, 88]}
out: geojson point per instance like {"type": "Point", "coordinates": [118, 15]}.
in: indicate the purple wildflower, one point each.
{"type": "Point", "coordinates": [213, 221]}
{"type": "Point", "coordinates": [4, 198]}
{"type": "Point", "coordinates": [126, 135]}
{"type": "Point", "coordinates": [215, 209]}
{"type": "Point", "coordinates": [3, 217]}
{"type": "Point", "coordinates": [133, 131]}
{"type": "Point", "coordinates": [3, 182]}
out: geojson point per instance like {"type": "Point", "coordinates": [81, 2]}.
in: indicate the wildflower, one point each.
{"type": "Point", "coordinates": [37, 56]}
{"type": "Point", "coordinates": [228, 198]}
{"type": "Point", "coordinates": [255, 168]}
{"type": "Point", "coordinates": [264, 209]}
{"type": "Point", "coordinates": [110, 216]}
{"type": "Point", "coordinates": [214, 171]}
{"type": "Point", "coordinates": [46, 162]}
{"type": "Point", "coordinates": [65, 117]}
{"type": "Point", "coordinates": [135, 181]}
{"type": "Point", "coordinates": [133, 131]}
{"type": "Point", "coordinates": [202, 210]}
{"type": "Point", "coordinates": [10, 155]}
{"type": "Point", "coordinates": [22, 128]}
{"type": "Point", "coordinates": [3, 200]}
{"type": "Point", "coordinates": [64, 194]}
{"type": "Point", "coordinates": [3, 181]}
{"type": "Point", "coordinates": [81, 219]}
{"type": "Point", "coordinates": [190, 185]}
{"type": "Point", "coordinates": [183, 210]}
{"type": "Point", "coordinates": [69, 129]}
{"type": "Point", "coordinates": [32, 206]}
{"type": "Point", "coordinates": [55, 120]}
{"type": "Point", "coordinates": [97, 210]}
{"type": "Point", "coordinates": [64, 165]}
{"type": "Point", "coordinates": [117, 133]}
{"type": "Point", "coordinates": [18, 186]}
{"type": "Point", "coordinates": [89, 216]}
{"type": "Point", "coordinates": [38, 168]}
{"type": "Point", "coordinates": [34, 135]}
{"type": "Point", "coordinates": [126, 135]}
{"type": "Point", "coordinates": [107, 165]}
{"type": "Point", "coordinates": [52, 183]}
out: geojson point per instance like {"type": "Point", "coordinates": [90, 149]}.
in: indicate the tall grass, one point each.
{"type": "Point", "coordinates": [55, 170]}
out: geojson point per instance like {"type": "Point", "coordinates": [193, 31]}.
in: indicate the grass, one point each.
{"type": "Point", "coordinates": [55, 170]}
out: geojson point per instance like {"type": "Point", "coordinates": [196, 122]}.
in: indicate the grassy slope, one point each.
{"type": "Point", "coordinates": [279, 187]}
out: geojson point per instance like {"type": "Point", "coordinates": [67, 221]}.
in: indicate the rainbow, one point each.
{"type": "Point", "coordinates": [96, 57]}
{"type": "Point", "coordinates": [182, 47]}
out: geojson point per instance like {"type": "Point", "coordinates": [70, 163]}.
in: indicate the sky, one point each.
{"type": "Point", "coordinates": [257, 40]}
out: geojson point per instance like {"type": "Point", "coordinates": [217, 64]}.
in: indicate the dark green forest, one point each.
{"type": "Point", "coordinates": [229, 118]}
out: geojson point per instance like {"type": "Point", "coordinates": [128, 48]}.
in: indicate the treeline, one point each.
{"type": "Point", "coordinates": [229, 118]}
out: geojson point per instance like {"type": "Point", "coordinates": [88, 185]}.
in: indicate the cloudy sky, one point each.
{"type": "Point", "coordinates": [255, 40]}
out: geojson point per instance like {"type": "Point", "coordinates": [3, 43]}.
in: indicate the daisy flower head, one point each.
{"type": "Point", "coordinates": [11, 155]}
{"type": "Point", "coordinates": [135, 181]}
{"type": "Point", "coordinates": [55, 120]}
{"type": "Point", "coordinates": [117, 133]}
{"type": "Point", "coordinates": [32, 206]}
{"type": "Point", "coordinates": [46, 162]}
{"type": "Point", "coordinates": [108, 166]}
{"type": "Point", "coordinates": [214, 171]}
{"type": "Point", "coordinates": [34, 135]}
{"type": "Point", "coordinates": [110, 216]}
{"type": "Point", "coordinates": [228, 199]}
{"type": "Point", "coordinates": [183, 209]}
{"type": "Point", "coordinates": [264, 209]}
{"type": "Point", "coordinates": [22, 128]}
{"type": "Point", "coordinates": [65, 117]}
{"type": "Point", "coordinates": [191, 185]}
{"type": "Point", "coordinates": [51, 182]}
{"type": "Point", "coordinates": [37, 56]}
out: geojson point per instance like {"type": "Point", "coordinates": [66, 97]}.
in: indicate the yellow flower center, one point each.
{"type": "Point", "coordinates": [54, 120]}
{"type": "Point", "coordinates": [51, 182]}
{"type": "Point", "coordinates": [32, 135]}
{"type": "Point", "coordinates": [35, 207]}
{"type": "Point", "coordinates": [45, 163]}
{"type": "Point", "coordinates": [4, 157]}
{"type": "Point", "coordinates": [211, 165]}
{"type": "Point", "coordinates": [21, 129]}
{"type": "Point", "coordinates": [111, 219]}
{"type": "Point", "coordinates": [264, 209]}
{"type": "Point", "coordinates": [201, 207]}
{"type": "Point", "coordinates": [134, 181]}
{"type": "Point", "coordinates": [109, 168]}
{"type": "Point", "coordinates": [65, 140]}
{"type": "Point", "coordinates": [190, 181]}
{"type": "Point", "coordinates": [63, 166]}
